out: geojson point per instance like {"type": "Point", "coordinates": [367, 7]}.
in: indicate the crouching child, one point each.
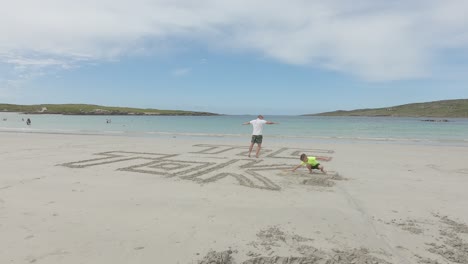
{"type": "Point", "coordinates": [311, 163]}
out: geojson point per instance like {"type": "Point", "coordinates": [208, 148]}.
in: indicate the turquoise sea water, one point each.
{"type": "Point", "coordinates": [322, 128]}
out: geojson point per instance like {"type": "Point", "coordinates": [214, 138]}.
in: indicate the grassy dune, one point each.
{"type": "Point", "coordinates": [445, 109]}
{"type": "Point", "coordinates": [86, 109]}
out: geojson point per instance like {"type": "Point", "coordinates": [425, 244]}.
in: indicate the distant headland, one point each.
{"type": "Point", "coordinates": [87, 109]}
{"type": "Point", "coordinates": [438, 109]}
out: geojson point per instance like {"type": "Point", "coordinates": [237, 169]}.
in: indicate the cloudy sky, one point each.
{"type": "Point", "coordinates": [234, 57]}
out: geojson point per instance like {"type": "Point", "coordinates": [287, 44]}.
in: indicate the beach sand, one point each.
{"type": "Point", "coordinates": [114, 199]}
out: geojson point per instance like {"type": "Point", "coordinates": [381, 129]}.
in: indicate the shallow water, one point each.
{"type": "Point", "coordinates": [385, 129]}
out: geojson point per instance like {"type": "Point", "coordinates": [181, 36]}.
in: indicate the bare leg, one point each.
{"type": "Point", "coordinates": [309, 167]}
{"type": "Point", "coordinates": [259, 146]}
{"type": "Point", "coordinates": [250, 148]}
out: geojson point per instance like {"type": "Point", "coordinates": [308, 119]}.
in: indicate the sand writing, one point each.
{"type": "Point", "coordinates": [282, 153]}
{"type": "Point", "coordinates": [206, 169]}
{"type": "Point", "coordinates": [114, 157]}
{"type": "Point", "coordinates": [301, 248]}
{"type": "Point", "coordinates": [247, 171]}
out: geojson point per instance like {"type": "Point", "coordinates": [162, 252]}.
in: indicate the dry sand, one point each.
{"type": "Point", "coordinates": [111, 199]}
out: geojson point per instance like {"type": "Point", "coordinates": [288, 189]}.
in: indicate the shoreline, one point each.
{"type": "Point", "coordinates": [245, 137]}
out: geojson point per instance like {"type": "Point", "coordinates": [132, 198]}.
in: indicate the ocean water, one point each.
{"type": "Point", "coordinates": [383, 129]}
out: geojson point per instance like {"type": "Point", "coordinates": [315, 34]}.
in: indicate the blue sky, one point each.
{"type": "Point", "coordinates": [234, 57]}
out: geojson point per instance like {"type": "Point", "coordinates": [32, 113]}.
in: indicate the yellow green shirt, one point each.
{"type": "Point", "coordinates": [310, 160]}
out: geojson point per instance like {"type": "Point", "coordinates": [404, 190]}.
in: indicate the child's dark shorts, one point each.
{"type": "Point", "coordinates": [257, 139]}
{"type": "Point", "coordinates": [316, 166]}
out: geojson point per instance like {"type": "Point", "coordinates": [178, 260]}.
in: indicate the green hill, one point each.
{"type": "Point", "coordinates": [445, 108]}
{"type": "Point", "coordinates": [86, 109]}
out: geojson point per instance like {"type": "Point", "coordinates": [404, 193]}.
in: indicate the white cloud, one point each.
{"type": "Point", "coordinates": [372, 39]}
{"type": "Point", "coordinates": [18, 70]}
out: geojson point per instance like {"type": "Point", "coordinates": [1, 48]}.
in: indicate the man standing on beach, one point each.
{"type": "Point", "coordinates": [257, 134]}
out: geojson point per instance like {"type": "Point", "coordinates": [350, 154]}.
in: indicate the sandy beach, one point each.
{"type": "Point", "coordinates": [115, 199]}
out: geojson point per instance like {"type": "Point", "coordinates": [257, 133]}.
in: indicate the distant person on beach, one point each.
{"type": "Point", "coordinates": [311, 163]}
{"type": "Point", "coordinates": [28, 122]}
{"type": "Point", "coordinates": [257, 134]}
